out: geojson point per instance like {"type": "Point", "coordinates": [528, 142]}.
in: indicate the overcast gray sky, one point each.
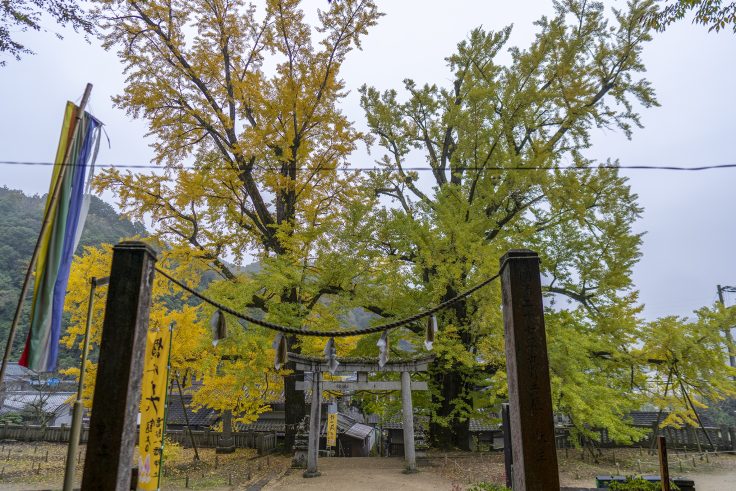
{"type": "Point", "coordinates": [688, 246]}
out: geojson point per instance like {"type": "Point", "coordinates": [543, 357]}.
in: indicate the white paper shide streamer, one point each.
{"type": "Point", "coordinates": [218, 325]}
{"type": "Point", "coordinates": [331, 355]}
{"type": "Point", "coordinates": [279, 344]}
{"type": "Point", "coordinates": [382, 349]}
{"type": "Point", "coordinates": [430, 332]}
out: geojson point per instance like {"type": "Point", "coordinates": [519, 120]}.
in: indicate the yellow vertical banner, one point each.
{"type": "Point", "coordinates": [331, 429]}
{"type": "Point", "coordinates": [153, 408]}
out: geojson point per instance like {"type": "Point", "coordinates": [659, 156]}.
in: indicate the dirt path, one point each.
{"type": "Point", "coordinates": [714, 482]}
{"type": "Point", "coordinates": [358, 474]}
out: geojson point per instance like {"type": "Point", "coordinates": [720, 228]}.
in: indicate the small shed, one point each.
{"type": "Point", "coordinates": [358, 440]}
{"type": "Point", "coordinates": [485, 436]}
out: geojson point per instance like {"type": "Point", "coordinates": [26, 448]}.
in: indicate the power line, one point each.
{"type": "Point", "coordinates": [416, 169]}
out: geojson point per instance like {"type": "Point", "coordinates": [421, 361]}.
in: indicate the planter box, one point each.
{"type": "Point", "coordinates": [683, 484]}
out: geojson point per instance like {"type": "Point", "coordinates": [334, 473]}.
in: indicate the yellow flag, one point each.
{"type": "Point", "coordinates": [153, 408]}
{"type": "Point", "coordinates": [331, 429]}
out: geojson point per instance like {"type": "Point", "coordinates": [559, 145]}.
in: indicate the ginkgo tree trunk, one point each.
{"type": "Point", "coordinates": [242, 108]}
{"type": "Point", "coordinates": [495, 140]}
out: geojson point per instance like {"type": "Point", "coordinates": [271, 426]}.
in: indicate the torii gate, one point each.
{"type": "Point", "coordinates": [318, 365]}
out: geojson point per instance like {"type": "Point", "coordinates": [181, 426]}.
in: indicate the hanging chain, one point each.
{"type": "Point", "coordinates": [341, 333]}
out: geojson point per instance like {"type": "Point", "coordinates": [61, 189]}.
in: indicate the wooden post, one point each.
{"type": "Point", "coordinates": [186, 417]}
{"type": "Point", "coordinates": [664, 468]}
{"type": "Point", "coordinates": [727, 331]}
{"type": "Point", "coordinates": [112, 431]}
{"type": "Point", "coordinates": [508, 457]}
{"type": "Point", "coordinates": [314, 425]}
{"type": "Point", "coordinates": [407, 412]}
{"type": "Point", "coordinates": [527, 367]}
{"type": "Point", "coordinates": [78, 411]}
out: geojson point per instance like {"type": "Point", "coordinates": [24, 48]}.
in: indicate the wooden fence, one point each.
{"type": "Point", "coordinates": [36, 433]}
{"type": "Point", "coordinates": [263, 442]}
{"type": "Point", "coordinates": [687, 438]}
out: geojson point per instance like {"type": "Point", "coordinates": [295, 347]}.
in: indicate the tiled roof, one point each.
{"type": "Point", "coordinates": [420, 422]}
{"type": "Point", "coordinates": [52, 402]}
{"type": "Point", "coordinates": [14, 371]}
{"type": "Point", "coordinates": [262, 426]}
{"type": "Point", "coordinates": [203, 417]}
{"type": "Point", "coordinates": [645, 418]}
{"type": "Point", "coordinates": [483, 425]}
{"type": "Point", "coordinates": [475, 425]}
{"type": "Point", "coordinates": [648, 418]}
{"type": "Point", "coordinates": [636, 418]}
{"type": "Point", "coordinates": [270, 421]}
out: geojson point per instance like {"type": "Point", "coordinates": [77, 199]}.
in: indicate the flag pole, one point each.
{"type": "Point", "coordinates": [76, 428]}
{"type": "Point", "coordinates": [53, 198]}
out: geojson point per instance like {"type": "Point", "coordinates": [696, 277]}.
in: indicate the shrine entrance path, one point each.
{"type": "Point", "coordinates": [361, 473]}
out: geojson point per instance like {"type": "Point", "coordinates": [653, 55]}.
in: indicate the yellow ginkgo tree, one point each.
{"type": "Point", "coordinates": [687, 364]}
{"type": "Point", "coordinates": [234, 375]}
{"type": "Point", "coordinates": [242, 108]}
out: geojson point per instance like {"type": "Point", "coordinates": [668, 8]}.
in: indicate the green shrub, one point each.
{"type": "Point", "coordinates": [638, 484]}
{"type": "Point", "coordinates": [11, 418]}
{"type": "Point", "coordinates": [487, 486]}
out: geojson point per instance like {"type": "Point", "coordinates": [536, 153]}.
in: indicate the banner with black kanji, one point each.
{"type": "Point", "coordinates": [153, 408]}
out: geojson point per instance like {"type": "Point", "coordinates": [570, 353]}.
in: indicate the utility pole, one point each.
{"type": "Point", "coordinates": [727, 329]}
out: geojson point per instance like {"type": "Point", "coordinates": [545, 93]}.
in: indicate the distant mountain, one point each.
{"type": "Point", "coordinates": [20, 223]}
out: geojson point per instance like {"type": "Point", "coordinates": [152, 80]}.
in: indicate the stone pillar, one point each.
{"type": "Point", "coordinates": [314, 425]}
{"type": "Point", "coordinates": [112, 431]}
{"type": "Point", "coordinates": [407, 412]}
{"type": "Point", "coordinates": [225, 442]}
{"type": "Point", "coordinates": [527, 368]}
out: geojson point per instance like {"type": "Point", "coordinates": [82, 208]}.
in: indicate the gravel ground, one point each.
{"type": "Point", "coordinates": [368, 473]}
{"type": "Point", "coordinates": [453, 471]}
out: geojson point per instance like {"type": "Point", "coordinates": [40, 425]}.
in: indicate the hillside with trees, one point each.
{"type": "Point", "coordinates": [20, 221]}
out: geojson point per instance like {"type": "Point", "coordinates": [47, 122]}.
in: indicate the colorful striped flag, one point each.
{"type": "Point", "coordinates": [78, 150]}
